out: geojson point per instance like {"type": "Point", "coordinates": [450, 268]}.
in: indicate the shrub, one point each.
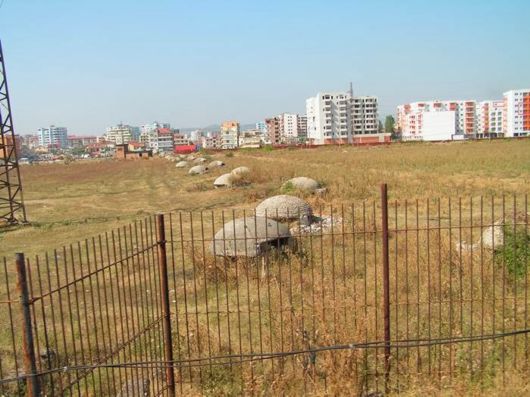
{"type": "Point", "coordinates": [515, 253]}
{"type": "Point", "coordinates": [288, 187]}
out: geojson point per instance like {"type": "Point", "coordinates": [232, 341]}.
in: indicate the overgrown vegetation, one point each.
{"type": "Point", "coordinates": [515, 253]}
{"type": "Point", "coordinates": [57, 193]}
{"type": "Point", "coordinates": [288, 187]}
{"type": "Point", "coordinates": [111, 193]}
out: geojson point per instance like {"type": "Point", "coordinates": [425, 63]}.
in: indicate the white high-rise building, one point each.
{"type": "Point", "coordinates": [122, 134]}
{"type": "Point", "coordinates": [53, 136]}
{"type": "Point", "coordinates": [517, 113]}
{"type": "Point", "coordinates": [293, 128]}
{"type": "Point", "coordinates": [338, 117]}
{"type": "Point", "coordinates": [364, 115]}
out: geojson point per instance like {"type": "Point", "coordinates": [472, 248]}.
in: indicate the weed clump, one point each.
{"type": "Point", "coordinates": [514, 253]}
{"type": "Point", "coordinates": [288, 187]}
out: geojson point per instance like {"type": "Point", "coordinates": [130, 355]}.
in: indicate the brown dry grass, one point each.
{"type": "Point", "coordinates": [66, 203]}
{"type": "Point", "coordinates": [71, 202]}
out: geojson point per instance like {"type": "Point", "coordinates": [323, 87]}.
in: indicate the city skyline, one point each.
{"type": "Point", "coordinates": [192, 65]}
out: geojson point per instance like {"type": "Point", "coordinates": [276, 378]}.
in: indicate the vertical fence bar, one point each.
{"type": "Point", "coordinates": [30, 362]}
{"type": "Point", "coordinates": [164, 296]}
{"type": "Point", "coordinates": [386, 279]}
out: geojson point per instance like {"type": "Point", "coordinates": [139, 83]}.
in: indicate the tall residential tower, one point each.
{"type": "Point", "coordinates": [339, 117]}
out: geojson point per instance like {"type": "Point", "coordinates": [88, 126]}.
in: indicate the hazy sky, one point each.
{"type": "Point", "coordinates": [90, 64]}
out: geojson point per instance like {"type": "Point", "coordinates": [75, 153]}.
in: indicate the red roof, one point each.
{"type": "Point", "coordinates": [179, 149]}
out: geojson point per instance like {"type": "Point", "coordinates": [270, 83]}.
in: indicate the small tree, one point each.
{"type": "Point", "coordinates": [389, 124]}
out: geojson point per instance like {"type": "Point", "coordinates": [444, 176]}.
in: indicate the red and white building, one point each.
{"type": "Point", "coordinates": [490, 119]}
{"type": "Point", "coordinates": [451, 120]}
{"type": "Point", "coordinates": [437, 120]}
{"type": "Point", "coordinates": [517, 113]}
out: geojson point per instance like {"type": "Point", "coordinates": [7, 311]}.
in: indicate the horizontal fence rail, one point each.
{"type": "Point", "coordinates": [368, 297]}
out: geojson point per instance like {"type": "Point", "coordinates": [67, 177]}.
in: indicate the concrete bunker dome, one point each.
{"type": "Point", "coordinates": [250, 237]}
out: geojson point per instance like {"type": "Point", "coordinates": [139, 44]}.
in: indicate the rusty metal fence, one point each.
{"type": "Point", "coordinates": [372, 296]}
{"type": "Point", "coordinates": [85, 307]}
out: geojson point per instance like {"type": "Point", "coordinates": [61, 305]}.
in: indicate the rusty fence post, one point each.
{"type": "Point", "coordinates": [164, 296]}
{"type": "Point", "coordinates": [386, 279]}
{"type": "Point", "coordinates": [30, 362]}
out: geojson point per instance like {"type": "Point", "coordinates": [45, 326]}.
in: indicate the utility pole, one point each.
{"type": "Point", "coordinates": [12, 210]}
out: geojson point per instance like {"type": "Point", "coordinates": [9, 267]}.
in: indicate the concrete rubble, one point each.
{"type": "Point", "coordinates": [318, 225]}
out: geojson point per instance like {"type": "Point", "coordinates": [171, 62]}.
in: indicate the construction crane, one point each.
{"type": "Point", "coordinates": [12, 210]}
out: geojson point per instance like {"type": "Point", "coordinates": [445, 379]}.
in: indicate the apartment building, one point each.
{"type": "Point", "coordinates": [53, 136]}
{"type": "Point", "coordinates": [286, 128]}
{"type": "Point", "coordinates": [490, 119]}
{"type": "Point", "coordinates": [230, 134]}
{"type": "Point", "coordinates": [250, 139]}
{"type": "Point", "coordinates": [181, 139]}
{"type": "Point", "coordinates": [432, 120]}
{"type": "Point", "coordinates": [364, 115]}
{"type": "Point", "coordinates": [339, 117]}
{"type": "Point", "coordinates": [517, 113]}
{"type": "Point", "coordinates": [261, 126]}
{"type": "Point", "coordinates": [210, 141]}
{"type": "Point", "coordinates": [165, 140]}
{"type": "Point", "coordinates": [302, 128]}
{"type": "Point", "coordinates": [293, 128]}
{"type": "Point", "coordinates": [273, 130]}
{"type": "Point", "coordinates": [122, 134]}
{"type": "Point", "coordinates": [157, 136]}
{"type": "Point", "coordinates": [151, 127]}
{"type": "Point", "coordinates": [437, 120]}
{"type": "Point", "coordinates": [81, 141]}
{"type": "Point", "coordinates": [31, 141]}
{"type": "Point", "coordinates": [195, 136]}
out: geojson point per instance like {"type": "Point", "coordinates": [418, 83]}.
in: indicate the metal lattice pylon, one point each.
{"type": "Point", "coordinates": [12, 210]}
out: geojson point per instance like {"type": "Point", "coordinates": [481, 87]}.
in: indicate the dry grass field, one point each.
{"type": "Point", "coordinates": [66, 203]}
{"type": "Point", "coordinates": [332, 274]}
